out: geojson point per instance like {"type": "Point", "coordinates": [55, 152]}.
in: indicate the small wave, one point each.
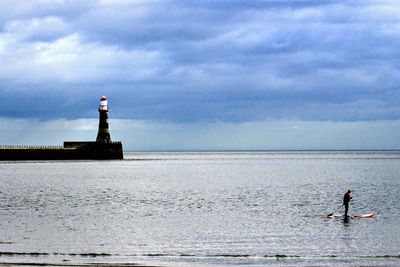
{"type": "Point", "coordinates": [34, 254]}
{"type": "Point", "coordinates": [381, 257]}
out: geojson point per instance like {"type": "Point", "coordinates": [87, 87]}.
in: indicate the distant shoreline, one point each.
{"type": "Point", "coordinates": [266, 151]}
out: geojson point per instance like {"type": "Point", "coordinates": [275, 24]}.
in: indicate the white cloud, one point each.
{"type": "Point", "coordinates": [37, 29]}
{"type": "Point", "coordinates": [69, 59]}
{"type": "Point", "coordinates": [204, 60]}
{"type": "Point", "coordinates": [124, 2]}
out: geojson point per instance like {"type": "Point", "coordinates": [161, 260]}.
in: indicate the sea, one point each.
{"type": "Point", "coordinates": [256, 208]}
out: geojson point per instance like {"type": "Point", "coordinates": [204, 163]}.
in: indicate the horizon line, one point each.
{"type": "Point", "coordinates": [263, 150]}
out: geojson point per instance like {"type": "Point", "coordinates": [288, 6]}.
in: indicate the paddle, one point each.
{"type": "Point", "coordinates": [335, 211]}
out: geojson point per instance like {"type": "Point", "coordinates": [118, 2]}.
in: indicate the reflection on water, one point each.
{"type": "Point", "coordinates": [202, 208]}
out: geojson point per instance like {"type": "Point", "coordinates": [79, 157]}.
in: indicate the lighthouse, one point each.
{"type": "Point", "coordinates": [101, 149]}
{"type": "Point", "coordinates": [103, 135]}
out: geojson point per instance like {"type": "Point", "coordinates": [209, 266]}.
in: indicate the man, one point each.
{"type": "Point", "coordinates": [346, 200]}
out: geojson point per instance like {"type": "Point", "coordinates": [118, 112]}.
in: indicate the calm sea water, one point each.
{"type": "Point", "coordinates": [202, 209]}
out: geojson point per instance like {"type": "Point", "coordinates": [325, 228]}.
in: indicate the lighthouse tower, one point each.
{"type": "Point", "coordinates": [103, 135]}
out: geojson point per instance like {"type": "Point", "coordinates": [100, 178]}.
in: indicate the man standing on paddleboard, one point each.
{"type": "Point", "coordinates": [346, 200]}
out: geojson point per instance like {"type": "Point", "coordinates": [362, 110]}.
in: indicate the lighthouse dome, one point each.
{"type": "Point", "coordinates": [103, 104]}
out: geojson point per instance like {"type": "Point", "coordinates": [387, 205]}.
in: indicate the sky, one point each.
{"type": "Point", "coordinates": [202, 75]}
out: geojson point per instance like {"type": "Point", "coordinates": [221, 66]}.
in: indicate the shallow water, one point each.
{"type": "Point", "coordinates": [255, 208]}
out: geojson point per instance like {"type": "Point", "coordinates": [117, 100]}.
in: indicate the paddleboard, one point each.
{"type": "Point", "coordinates": [334, 216]}
{"type": "Point", "coordinates": [363, 216]}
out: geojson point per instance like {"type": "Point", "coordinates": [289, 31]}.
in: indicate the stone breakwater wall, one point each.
{"type": "Point", "coordinates": [70, 151]}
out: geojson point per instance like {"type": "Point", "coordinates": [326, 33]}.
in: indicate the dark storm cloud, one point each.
{"type": "Point", "coordinates": [188, 61]}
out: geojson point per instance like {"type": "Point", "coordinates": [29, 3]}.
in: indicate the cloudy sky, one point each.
{"type": "Point", "coordinates": [210, 74]}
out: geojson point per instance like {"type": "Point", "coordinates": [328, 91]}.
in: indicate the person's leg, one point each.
{"type": "Point", "coordinates": [346, 209]}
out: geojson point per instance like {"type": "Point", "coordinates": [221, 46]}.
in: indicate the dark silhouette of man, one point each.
{"type": "Point", "coordinates": [346, 200]}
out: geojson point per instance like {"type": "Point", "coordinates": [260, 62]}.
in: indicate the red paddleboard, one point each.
{"type": "Point", "coordinates": [364, 216]}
